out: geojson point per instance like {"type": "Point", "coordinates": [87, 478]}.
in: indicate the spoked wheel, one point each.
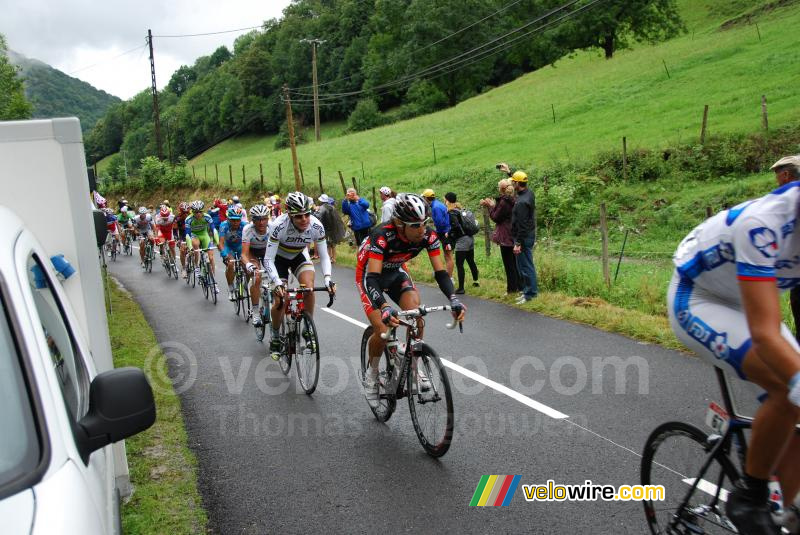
{"type": "Point", "coordinates": [262, 309]}
{"type": "Point", "coordinates": [289, 344]}
{"type": "Point", "coordinates": [113, 250]}
{"type": "Point", "coordinates": [192, 275]}
{"type": "Point", "coordinates": [307, 354]}
{"type": "Point", "coordinates": [128, 248]}
{"type": "Point", "coordinates": [430, 401]}
{"type": "Point", "coordinates": [238, 304]}
{"type": "Point", "coordinates": [386, 403]}
{"type": "Point", "coordinates": [212, 286]}
{"type": "Point", "coordinates": [673, 456]}
{"type": "Point", "coordinates": [204, 281]}
{"type": "Point", "coordinates": [244, 298]}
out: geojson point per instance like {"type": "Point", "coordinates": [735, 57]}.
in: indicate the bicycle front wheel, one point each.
{"type": "Point", "coordinates": [673, 456]}
{"type": "Point", "coordinates": [307, 355]}
{"type": "Point", "coordinates": [212, 285]}
{"type": "Point", "coordinates": [430, 401]}
{"type": "Point", "coordinates": [386, 403]}
{"type": "Point", "coordinates": [289, 343]}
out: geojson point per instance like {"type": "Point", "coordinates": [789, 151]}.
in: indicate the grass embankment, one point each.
{"type": "Point", "coordinates": [596, 102]}
{"type": "Point", "coordinates": [162, 468]}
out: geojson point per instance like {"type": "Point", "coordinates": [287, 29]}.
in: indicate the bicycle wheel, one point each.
{"type": "Point", "coordinates": [673, 456]}
{"type": "Point", "coordinates": [386, 403]}
{"type": "Point", "coordinates": [114, 250]}
{"type": "Point", "coordinates": [263, 310]}
{"type": "Point", "coordinates": [244, 297]}
{"type": "Point", "coordinates": [431, 409]}
{"type": "Point", "coordinates": [204, 280]}
{"type": "Point", "coordinates": [212, 286]}
{"type": "Point", "coordinates": [237, 295]}
{"type": "Point", "coordinates": [307, 354]}
{"type": "Point", "coordinates": [289, 345]}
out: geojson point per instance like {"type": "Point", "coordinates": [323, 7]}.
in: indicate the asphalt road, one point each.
{"type": "Point", "coordinates": [272, 459]}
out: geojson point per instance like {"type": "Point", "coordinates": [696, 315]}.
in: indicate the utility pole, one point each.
{"type": "Point", "coordinates": [156, 120]}
{"type": "Point", "coordinates": [290, 122]}
{"type": "Point", "coordinates": [314, 43]}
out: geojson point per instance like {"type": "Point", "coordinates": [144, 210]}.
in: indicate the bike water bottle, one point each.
{"type": "Point", "coordinates": [775, 498]}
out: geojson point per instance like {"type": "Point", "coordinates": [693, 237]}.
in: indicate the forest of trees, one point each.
{"type": "Point", "coordinates": [13, 104]}
{"type": "Point", "coordinates": [381, 60]}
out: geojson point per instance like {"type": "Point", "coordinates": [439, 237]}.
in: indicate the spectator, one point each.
{"type": "Point", "coordinates": [442, 223]}
{"type": "Point", "coordinates": [463, 243]}
{"type": "Point", "coordinates": [523, 232]}
{"type": "Point", "coordinates": [787, 169]}
{"type": "Point", "coordinates": [223, 209]}
{"type": "Point", "coordinates": [356, 207]}
{"type": "Point", "coordinates": [213, 212]}
{"type": "Point", "coordinates": [387, 198]}
{"type": "Point", "coordinates": [500, 209]}
{"type": "Point", "coordinates": [334, 228]}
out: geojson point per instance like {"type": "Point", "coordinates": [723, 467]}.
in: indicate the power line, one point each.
{"type": "Point", "coordinates": [108, 60]}
{"type": "Point", "coordinates": [208, 33]}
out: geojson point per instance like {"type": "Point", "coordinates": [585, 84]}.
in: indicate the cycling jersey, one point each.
{"type": "Point", "coordinates": [755, 240]}
{"type": "Point", "coordinates": [111, 223]}
{"type": "Point", "coordinates": [180, 224]}
{"type": "Point", "coordinates": [233, 238]}
{"type": "Point", "coordinates": [143, 226]}
{"type": "Point", "coordinates": [196, 227]}
{"type": "Point", "coordinates": [287, 241]}
{"type": "Point", "coordinates": [257, 242]}
{"type": "Point", "coordinates": [164, 226]}
{"type": "Point", "coordinates": [125, 219]}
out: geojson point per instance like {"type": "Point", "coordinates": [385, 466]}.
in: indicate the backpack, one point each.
{"type": "Point", "coordinates": [469, 224]}
{"type": "Point", "coordinates": [373, 219]}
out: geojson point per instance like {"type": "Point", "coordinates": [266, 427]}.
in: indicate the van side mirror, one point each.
{"type": "Point", "coordinates": [100, 227]}
{"type": "Point", "coordinates": [121, 404]}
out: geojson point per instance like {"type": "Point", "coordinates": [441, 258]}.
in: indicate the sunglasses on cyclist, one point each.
{"type": "Point", "coordinates": [301, 216]}
{"type": "Point", "coordinates": [257, 219]}
{"type": "Point", "coordinates": [417, 224]}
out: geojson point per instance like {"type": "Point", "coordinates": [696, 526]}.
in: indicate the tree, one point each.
{"type": "Point", "coordinates": [13, 104]}
{"type": "Point", "coordinates": [612, 25]}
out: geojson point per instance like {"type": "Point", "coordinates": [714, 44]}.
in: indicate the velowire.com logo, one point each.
{"type": "Point", "coordinates": [495, 490]}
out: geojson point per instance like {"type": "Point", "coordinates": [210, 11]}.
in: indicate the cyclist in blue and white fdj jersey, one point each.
{"type": "Point", "coordinates": [287, 249]}
{"type": "Point", "coordinates": [230, 243]}
{"type": "Point", "coordinates": [723, 303]}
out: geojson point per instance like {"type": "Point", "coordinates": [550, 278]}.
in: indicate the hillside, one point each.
{"type": "Point", "coordinates": [55, 94]}
{"type": "Point", "coordinates": [595, 101]}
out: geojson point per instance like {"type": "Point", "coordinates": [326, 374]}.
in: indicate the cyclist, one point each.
{"type": "Point", "coordinates": [381, 267]}
{"type": "Point", "coordinates": [199, 232]}
{"type": "Point", "coordinates": [143, 225]}
{"type": "Point", "coordinates": [111, 224]}
{"type": "Point", "coordinates": [230, 243]}
{"type": "Point", "coordinates": [180, 233]}
{"type": "Point", "coordinates": [254, 247]}
{"type": "Point", "coordinates": [287, 250]}
{"type": "Point", "coordinates": [165, 222]}
{"type": "Point", "coordinates": [723, 303]}
{"type": "Point", "coordinates": [125, 220]}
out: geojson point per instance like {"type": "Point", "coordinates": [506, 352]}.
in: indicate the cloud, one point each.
{"type": "Point", "coordinates": [75, 34]}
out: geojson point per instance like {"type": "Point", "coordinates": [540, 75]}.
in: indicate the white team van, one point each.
{"type": "Point", "coordinates": [61, 402]}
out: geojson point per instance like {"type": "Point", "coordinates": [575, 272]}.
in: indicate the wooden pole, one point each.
{"type": "Point", "coordinates": [216, 172]}
{"type": "Point", "coordinates": [764, 120]}
{"type": "Point", "coordinates": [302, 176]}
{"type": "Point", "coordinates": [261, 174]}
{"type": "Point", "coordinates": [205, 171]}
{"type": "Point", "coordinates": [621, 252]}
{"type": "Point", "coordinates": [355, 185]}
{"type": "Point", "coordinates": [374, 201]}
{"type": "Point", "coordinates": [554, 113]}
{"type": "Point", "coordinates": [341, 179]}
{"type": "Point", "coordinates": [487, 237]}
{"type": "Point", "coordinates": [604, 236]}
{"type": "Point", "coordinates": [244, 179]}
{"type": "Point", "coordinates": [316, 89]}
{"type": "Point", "coordinates": [321, 188]}
{"type": "Point", "coordinates": [705, 124]}
{"type": "Point", "coordinates": [230, 174]}
{"type": "Point", "coordinates": [709, 212]}
{"type": "Point", "coordinates": [290, 123]}
{"type": "Point", "coordinates": [193, 175]}
{"type": "Point", "coordinates": [665, 68]}
{"type": "Point", "coordinates": [434, 152]}
{"type": "Point", "coordinates": [363, 174]}
{"type": "Point", "coordinates": [758, 32]}
{"type": "Point", "coordinates": [624, 158]}
{"type": "Point", "coordinates": [280, 179]}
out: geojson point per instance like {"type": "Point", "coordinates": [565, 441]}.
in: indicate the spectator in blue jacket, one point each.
{"type": "Point", "coordinates": [356, 207]}
{"type": "Point", "coordinates": [441, 220]}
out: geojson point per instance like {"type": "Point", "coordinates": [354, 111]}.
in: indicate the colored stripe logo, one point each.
{"type": "Point", "coordinates": [495, 490]}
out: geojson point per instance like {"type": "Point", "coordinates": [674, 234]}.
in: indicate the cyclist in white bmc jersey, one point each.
{"type": "Point", "coordinates": [723, 303]}
{"type": "Point", "coordinates": [287, 249]}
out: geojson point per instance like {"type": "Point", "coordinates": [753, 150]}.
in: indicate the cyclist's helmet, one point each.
{"type": "Point", "coordinates": [258, 210]}
{"type": "Point", "coordinates": [298, 203]}
{"type": "Point", "coordinates": [183, 207]}
{"type": "Point", "coordinates": [410, 208]}
{"type": "Point", "coordinates": [234, 212]}
{"type": "Point", "coordinates": [124, 210]}
{"type": "Point", "coordinates": [198, 206]}
{"type": "Point", "coordinates": [142, 210]}
{"type": "Point", "coordinates": [235, 199]}
{"type": "Point", "coordinates": [108, 211]}
{"type": "Point", "coordinates": [164, 212]}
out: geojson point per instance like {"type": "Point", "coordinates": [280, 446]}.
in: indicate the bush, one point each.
{"type": "Point", "coordinates": [366, 115]}
{"type": "Point", "coordinates": [282, 141]}
{"type": "Point", "coordinates": [424, 97]}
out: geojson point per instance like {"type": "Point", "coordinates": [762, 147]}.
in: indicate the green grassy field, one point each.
{"type": "Point", "coordinates": [596, 102]}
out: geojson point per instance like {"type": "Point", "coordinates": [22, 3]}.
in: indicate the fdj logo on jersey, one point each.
{"type": "Point", "coordinates": [765, 240]}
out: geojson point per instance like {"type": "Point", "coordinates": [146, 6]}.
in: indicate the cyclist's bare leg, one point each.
{"type": "Point", "coordinates": [307, 278]}
{"type": "Point", "coordinates": [277, 309]}
{"type": "Point", "coordinates": [141, 250]}
{"type": "Point", "coordinates": [196, 251]}
{"type": "Point", "coordinates": [183, 255]}
{"type": "Point", "coordinates": [773, 429]}
{"type": "Point", "coordinates": [255, 289]}
{"type": "Point", "coordinates": [376, 344]}
{"type": "Point", "coordinates": [211, 261]}
{"type": "Point", "coordinates": [229, 262]}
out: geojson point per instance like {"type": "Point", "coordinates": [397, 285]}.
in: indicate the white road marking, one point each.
{"type": "Point", "coordinates": [709, 488]}
{"type": "Point", "coordinates": [513, 394]}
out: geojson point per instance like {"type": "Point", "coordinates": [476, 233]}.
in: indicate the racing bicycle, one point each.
{"type": "Point", "coordinates": [241, 289]}
{"type": "Point", "coordinates": [149, 255]}
{"type": "Point", "coordinates": [168, 260]}
{"type": "Point", "coordinates": [415, 371]}
{"type": "Point", "coordinates": [206, 277]}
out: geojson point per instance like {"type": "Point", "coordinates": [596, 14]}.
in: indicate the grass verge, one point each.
{"type": "Point", "coordinates": [162, 468]}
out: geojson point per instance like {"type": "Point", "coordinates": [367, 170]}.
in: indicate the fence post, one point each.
{"type": "Point", "coordinates": [205, 171]}
{"type": "Point", "coordinates": [665, 68]}
{"type": "Point", "coordinates": [341, 179]}
{"type": "Point", "coordinates": [709, 212]}
{"type": "Point", "coordinates": [321, 188]}
{"type": "Point", "coordinates": [261, 174]}
{"type": "Point", "coordinates": [374, 201]}
{"type": "Point", "coordinates": [302, 177]}
{"type": "Point", "coordinates": [280, 179]}
{"type": "Point", "coordinates": [487, 237]}
{"type": "Point", "coordinates": [554, 113]}
{"type": "Point", "coordinates": [604, 236]}
{"type": "Point", "coordinates": [624, 158]}
{"type": "Point", "coordinates": [216, 172]}
{"type": "Point", "coordinates": [355, 185]}
{"type": "Point", "coordinates": [230, 174]}
{"type": "Point", "coordinates": [705, 124]}
{"type": "Point", "coordinates": [434, 152]}
{"type": "Point", "coordinates": [244, 180]}
{"type": "Point", "coordinates": [764, 121]}
{"type": "Point", "coordinates": [193, 175]}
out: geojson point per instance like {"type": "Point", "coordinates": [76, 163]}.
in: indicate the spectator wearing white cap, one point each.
{"type": "Point", "coordinates": [787, 169]}
{"type": "Point", "coordinates": [334, 228]}
{"type": "Point", "coordinates": [387, 198]}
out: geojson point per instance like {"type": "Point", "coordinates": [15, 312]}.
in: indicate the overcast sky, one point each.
{"type": "Point", "coordinates": [72, 35]}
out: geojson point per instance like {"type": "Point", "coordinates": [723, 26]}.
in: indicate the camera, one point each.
{"type": "Point", "coordinates": [498, 166]}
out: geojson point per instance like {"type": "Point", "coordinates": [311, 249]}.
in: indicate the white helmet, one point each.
{"type": "Point", "coordinates": [142, 210]}
{"type": "Point", "coordinates": [411, 208]}
{"type": "Point", "coordinates": [259, 210]}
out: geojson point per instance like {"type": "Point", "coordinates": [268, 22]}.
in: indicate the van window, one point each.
{"type": "Point", "coordinates": [70, 370]}
{"type": "Point", "coordinates": [19, 442]}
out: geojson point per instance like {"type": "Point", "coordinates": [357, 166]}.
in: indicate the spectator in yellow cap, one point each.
{"type": "Point", "coordinates": [441, 220]}
{"type": "Point", "coordinates": [523, 232]}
